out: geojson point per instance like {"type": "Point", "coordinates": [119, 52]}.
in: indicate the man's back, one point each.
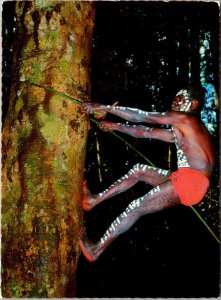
{"type": "Point", "coordinates": [195, 141]}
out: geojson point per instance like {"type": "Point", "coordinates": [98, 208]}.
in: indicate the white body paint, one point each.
{"type": "Point", "coordinates": [133, 205]}
{"type": "Point", "coordinates": [139, 111]}
{"type": "Point", "coordinates": [182, 161]}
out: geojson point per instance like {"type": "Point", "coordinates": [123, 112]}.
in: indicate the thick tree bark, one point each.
{"type": "Point", "coordinates": [43, 149]}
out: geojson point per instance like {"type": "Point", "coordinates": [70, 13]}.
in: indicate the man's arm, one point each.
{"type": "Point", "coordinates": [140, 131]}
{"type": "Point", "coordinates": [133, 114]}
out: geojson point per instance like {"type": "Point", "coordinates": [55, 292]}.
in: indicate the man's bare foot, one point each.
{"type": "Point", "coordinates": [89, 249]}
{"type": "Point", "coordinates": [89, 199]}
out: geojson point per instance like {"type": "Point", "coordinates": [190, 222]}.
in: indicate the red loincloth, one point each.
{"type": "Point", "coordinates": [190, 184]}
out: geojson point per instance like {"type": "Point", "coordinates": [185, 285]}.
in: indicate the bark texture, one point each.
{"type": "Point", "coordinates": [43, 149]}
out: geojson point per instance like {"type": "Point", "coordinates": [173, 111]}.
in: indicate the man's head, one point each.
{"type": "Point", "coordinates": [188, 99]}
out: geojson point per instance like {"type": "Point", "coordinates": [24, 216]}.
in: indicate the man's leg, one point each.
{"type": "Point", "coordinates": [161, 197]}
{"type": "Point", "coordinates": [140, 172]}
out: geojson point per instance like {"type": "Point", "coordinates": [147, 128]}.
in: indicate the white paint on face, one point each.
{"type": "Point", "coordinates": [185, 106]}
{"type": "Point", "coordinates": [188, 106]}
{"type": "Point", "coordinates": [183, 92]}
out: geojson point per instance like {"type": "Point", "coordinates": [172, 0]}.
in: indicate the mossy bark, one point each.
{"type": "Point", "coordinates": [43, 149]}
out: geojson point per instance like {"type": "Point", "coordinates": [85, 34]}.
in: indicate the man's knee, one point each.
{"type": "Point", "coordinates": [137, 167]}
{"type": "Point", "coordinates": [138, 170]}
{"type": "Point", "coordinates": [141, 168]}
{"type": "Point", "coordinates": [134, 171]}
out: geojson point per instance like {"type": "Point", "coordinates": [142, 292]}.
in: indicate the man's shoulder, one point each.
{"type": "Point", "coordinates": [177, 114]}
{"type": "Point", "coordinates": [183, 117]}
{"type": "Point", "coordinates": [183, 114]}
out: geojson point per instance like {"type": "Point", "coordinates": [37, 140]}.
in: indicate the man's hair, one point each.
{"type": "Point", "coordinates": [193, 93]}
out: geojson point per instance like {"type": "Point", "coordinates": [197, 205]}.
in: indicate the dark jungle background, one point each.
{"type": "Point", "coordinates": [143, 53]}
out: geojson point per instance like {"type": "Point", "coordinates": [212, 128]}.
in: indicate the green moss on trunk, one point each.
{"type": "Point", "coordinates": [43, 153]}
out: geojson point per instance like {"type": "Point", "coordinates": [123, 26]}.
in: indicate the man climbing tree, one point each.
{"type": "Point", "coordinates": [43, 149]}
{"type": "Point", "coordinates": [187, 185]}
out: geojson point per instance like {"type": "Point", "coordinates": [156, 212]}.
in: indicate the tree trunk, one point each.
{"type": "Point", "coordinates": [43, 149]}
